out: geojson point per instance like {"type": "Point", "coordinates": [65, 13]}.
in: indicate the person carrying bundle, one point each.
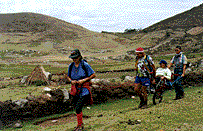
{"type": "Point", "coordinates": [145, 69]}
{"type": "Point", "coordinates": [180, 61]}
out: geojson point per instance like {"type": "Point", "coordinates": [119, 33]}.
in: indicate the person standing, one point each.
{"type": "Point", "coordinates": [180, 61]}
{"type": "Point", "coordinates": [145, 69]}
{"type": "Point", "coordinates": [79, 74]}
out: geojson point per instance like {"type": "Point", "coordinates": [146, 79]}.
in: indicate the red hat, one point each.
{"type": "Point", "coordinates": [140, 49]}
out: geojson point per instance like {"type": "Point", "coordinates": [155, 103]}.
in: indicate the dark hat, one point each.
{"type": "Point", "coordinates": [75, 54]}
{"type": "Point", "coordinates": [179, 47]}
{"type": "Point", "coordinates": [163, 61]}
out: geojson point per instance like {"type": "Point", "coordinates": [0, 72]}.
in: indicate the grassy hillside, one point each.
{"type": "Point", "coordinates": [123, 115]}
{"type": "Point", "coordinates": [31, 30]}
{"type": "Point", "coordinates": [185, 20]}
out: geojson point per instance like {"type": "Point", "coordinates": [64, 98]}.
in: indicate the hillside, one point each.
{"type": "Point", "coordinates": [31, 30]}
{"type": "Point", "coordinates": [185, 29]}
{"type": "Point", "coordinates": [185, 20]}
{"type": "Point", "coordinates": [52, 36]}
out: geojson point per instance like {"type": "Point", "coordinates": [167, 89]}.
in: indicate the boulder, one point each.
{"type": "Point", "coordinates": [95, 81]}
{"type": "Point", "coordinates": [129, 78]}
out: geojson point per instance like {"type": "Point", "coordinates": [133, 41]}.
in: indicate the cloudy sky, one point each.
{"type": "Point", "coordinates": [103, 15]}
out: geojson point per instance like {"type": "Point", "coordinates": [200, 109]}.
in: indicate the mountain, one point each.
{"type": "Point", "coordinates": [38, 31]}
{"type": "Point", "coordinates": [184, 29]}
{"type": "Point", "coordinates": [186, 20]}
{"type": "Point", "coordinates": [54, 36]}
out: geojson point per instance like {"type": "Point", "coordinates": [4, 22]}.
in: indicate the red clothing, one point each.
{"type": "Point", "coordinates": [88, 86]}
{"type": "Point", "coordinates": [84, 85]}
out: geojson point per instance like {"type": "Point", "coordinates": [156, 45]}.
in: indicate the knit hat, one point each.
{"type": "Point", "coordinates": [163, 61]}
{"type": "Point", "coordinates": [140, 49]}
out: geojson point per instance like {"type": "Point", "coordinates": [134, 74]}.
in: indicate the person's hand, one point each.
{"type": "Point", "coordinates": [182, 75]}
{"type": "Point", "coordinates": [153, 82]}
{"type": "Point", "coordinates": [73, 82]}
{"type": "Point", "coordinates": [159, 76]}
{"type": "Point", "coordinates": [80, 82]}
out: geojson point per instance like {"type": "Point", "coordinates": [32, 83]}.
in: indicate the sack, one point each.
{"type": "Point", "coordinates": [73, 91]}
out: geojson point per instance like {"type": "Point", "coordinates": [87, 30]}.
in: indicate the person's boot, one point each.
{"type": "Point", "coordinates": [145, 105]}
{"type": "Point", "coordinates": [182, 95]}
{"type": "Point", "coordinates": [141, 102]}
{"type": "Point", "coordinates": [177, 97]}
{"type": "Point", "coordinates": [80, 125]}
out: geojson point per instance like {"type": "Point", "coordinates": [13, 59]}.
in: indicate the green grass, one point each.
{"type": "Point", "coordinates": [17, 92]}
{"type": "Point", "coordinates": [13, 70]}
{"type": "Point", "coordinates": [194, 55]}
{"type": "Point", "coordinates": [185, 114]}
{"type": "Point", "coordinates": [169, 115]}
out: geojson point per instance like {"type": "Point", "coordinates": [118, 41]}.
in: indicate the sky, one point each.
{"type": "Point", "coordinates": [103, 15]}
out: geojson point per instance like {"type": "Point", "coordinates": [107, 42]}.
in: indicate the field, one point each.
{"type": "Point", "coordinates": [48, 41]}
{"type": "Point", "coordinates": [60, 64]}
{"type": "Point", "coordinates": [117, 115]}
{"type": "Point", "coordinates": [123, 115]}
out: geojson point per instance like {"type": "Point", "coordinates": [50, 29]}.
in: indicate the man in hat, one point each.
{"type": "Point", "coordinates": [180, 61]}
{"type": "Point", "coordinates": [145, 69]}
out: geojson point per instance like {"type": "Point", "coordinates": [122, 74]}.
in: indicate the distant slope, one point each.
{"type": "Point", "coordinates": [187, 19]}
{"type": "Point", "coordinates": [36, 29]}
{"type": "Point", "coordinates": [45, 33]}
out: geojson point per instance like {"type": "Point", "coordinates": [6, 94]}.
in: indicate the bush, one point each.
{"type": "Point", "coordinates": [113, 80]}
{"type": "Point", "coordinates": [123, 77]}
{"type": "Point", "coordinates": [39, 83]}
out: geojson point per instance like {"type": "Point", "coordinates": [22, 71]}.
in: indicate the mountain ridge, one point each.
{"type": "Point", "coordinates": [38, 31]}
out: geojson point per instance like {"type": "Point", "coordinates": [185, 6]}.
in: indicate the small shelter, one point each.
{"type": "Point", "coordinates": [39, 74]}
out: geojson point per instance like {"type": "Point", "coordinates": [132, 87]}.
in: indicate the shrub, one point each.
{"type": "Point", "coordinates": [113, 80]}
{"type": "Point", "coordinates": [40, 83]}
{"type": "Point", "coordinates": [123, 77]}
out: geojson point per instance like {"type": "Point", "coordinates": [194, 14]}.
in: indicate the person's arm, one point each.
{"type": "Point", "coordinates": [69, 77]}
{"type": "Point", "coordinates": [71, 81]}
{"type": "Point", "coordinates": [154, 70]}
{"type": "Point", "coordinates": [150, 61]}
{"type": "Point", "coordinates": [171, 63]}
{"type": "Point", "coordinates": [91, 74]}
{"type": "Point", "coordinates": [184, 68]}
{"type": "Point", "coordinates": [87, 79]}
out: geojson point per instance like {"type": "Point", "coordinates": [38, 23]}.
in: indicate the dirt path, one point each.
{"type": "Point", "coordinates": [59, 121]}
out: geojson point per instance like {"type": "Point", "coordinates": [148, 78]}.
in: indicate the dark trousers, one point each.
{"type": "Point", "coordinates": [79, 102]}
{"type": "Point", "coordinates": [168, 83]}
{"type": "Point", "coordinates": [178, 86]}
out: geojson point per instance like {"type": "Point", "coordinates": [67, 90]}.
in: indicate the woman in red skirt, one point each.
{"type": "Point", "coordinates": [79, 74]}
